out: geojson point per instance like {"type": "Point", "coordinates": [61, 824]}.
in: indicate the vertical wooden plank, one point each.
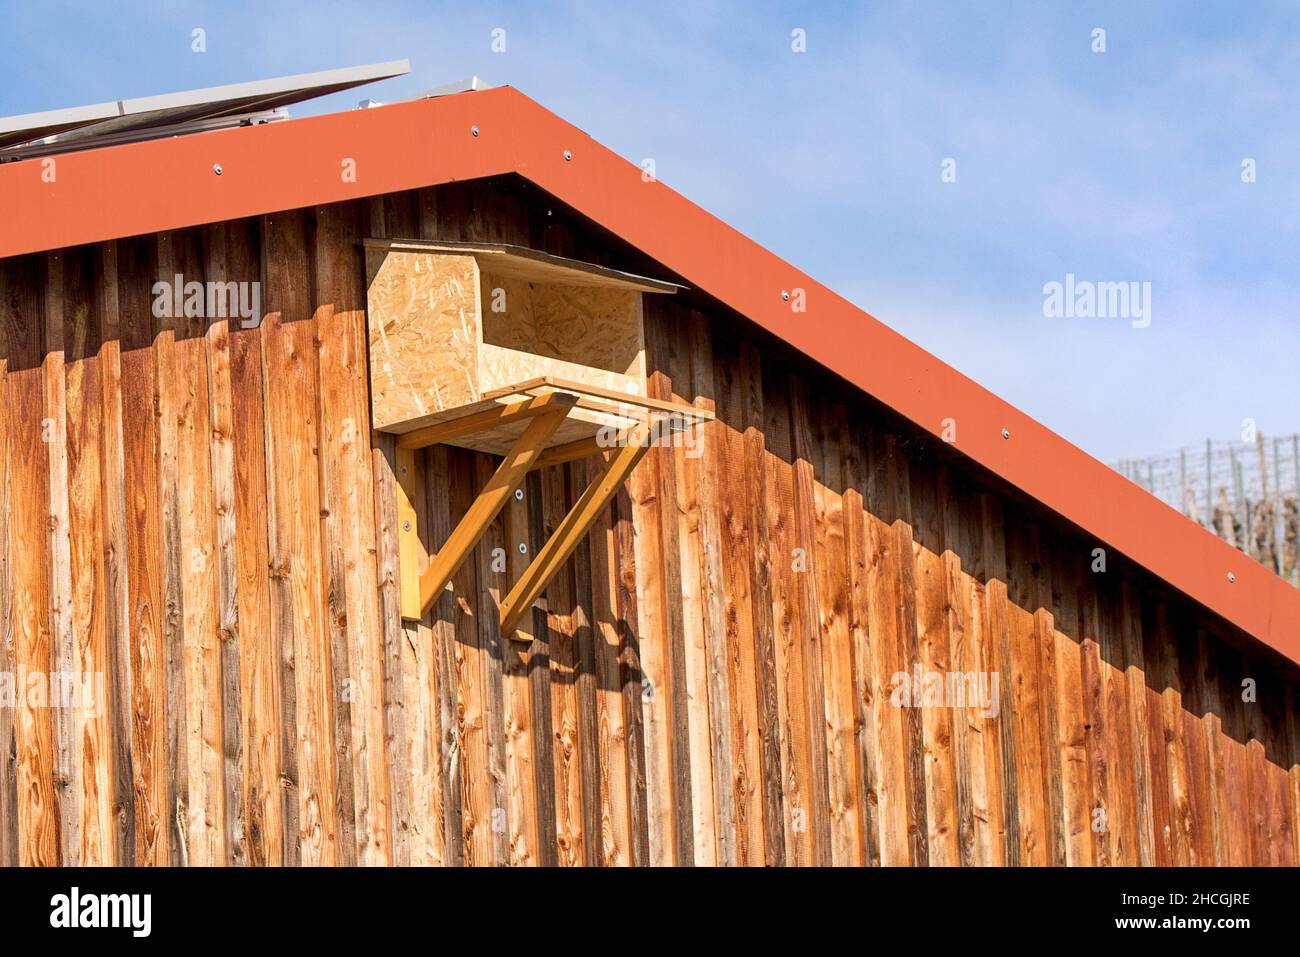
{"type": "Point", "coordinates": [687, 563]}
{"type": "Point", "coordinates": [674, 685]}
{"type": "Point", "coordinates": [981, 653]}
{"type": "Point", "coordinates": [840, 713]}
{"type": "Point", "coordinates": [1045, 626]}
{"type": "Point", "coordinates": [192, 569]}
{"type": "Point", "coordinates": [997, 618]}
{"type": "Point", "coordinates": [350, 525]}
{"type": "Point", "coordinates": [855, 448]}
{"type": "Point", "coordinates": [30, 603]}
{"type": "Point", "coordinates": [1275, 785]}
{"type": "Point", "coordinates": [1199, 771]}
{"type": "Point", "coordinates": [1176, 764]}
{"type": "Point", "coordinates": [1158, 773]}
{"type": "Point", "coordinates": [521, 803]}
{"type": "Point", "coordinates": [399, 727]}
{"type": "Point", "coordinates": [967, 680]}
{"type": "Point", "coordinates": [429, 669]}
{"type": "Point", "coordinates": [1135, 676]}
{"type": "Point", "coordinates": [1025, 629]}
{"type": "Point", "coordinates": [563, 640]}
{"type": "Point", "coordinates": [698, 470]}
{"type": "Point", "coordinates": [166, 325]}
{"type": "Point", "coordinates": [224, 557]}
{"type": "Point", "coordinates": [763, 607]}
{"type": "Point", "coordinates": [116, 571]}
{"type": "Point", "coordinates": [89, 715]}
{"type": "Point", "coordinates": [932, 635]}
{"type": "Point", "coordinates": [788, 660]}
{"type": "Point", "coordinates": [652, 651]}
{"type": "Point", "coordinates": [612, 736]}
{"type": "Point", "coordinates": [809, 641]}
{"type": "Point", "coordinates": [1121, 817]}
{"type": "Point", "coordinates": [593, 825]}
{"type": "Point", "coordinates": [631, 673]}
{"type": "Point", "coordinates": [489, 555]}
{"type": "Point", "coordinates": [540, 684]}
{"type": "Point", "coordinates": [1212, 697]}
{"type": "Point", "coordinates": [1072, 719]}
{"type": "Point", "coordinates": [904, 606]}
{"type": "Point", "coordinates": [54, 426]}
{"type": "Point", "coordinates": [476, 787]}
{"type": "Point", "coordinates": [703, 456]}
{"type": "Point", "coordinates": [725, 442]}
{"type": "Point", "coordinates": [889, 665]}
{"type": "Point", "coordinates": [1292, 763]}
{"type": "Point", "coordinates": [205, 830]}
{"type": "Point", "coordinates": [137, 271]}
{"type": "Point", "coordinates": [298, 606]}
{"type": "Point", "coordinates": [10, 297]}
{"type": "Point", "coordinates": [262, 796]}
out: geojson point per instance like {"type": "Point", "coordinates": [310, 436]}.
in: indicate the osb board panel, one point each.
{"type": "Point", "coordinates": [595, 327]}
{"type": "Point", "coordinates": [689, 696]}
{"type": "Point", "coordinates": [423, 333]}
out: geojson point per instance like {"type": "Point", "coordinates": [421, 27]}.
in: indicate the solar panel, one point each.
{"type": "Point", "coordinates": [102, 123]}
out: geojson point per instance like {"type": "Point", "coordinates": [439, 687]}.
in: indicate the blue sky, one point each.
{"type": "Point", "coordinates": [1115, 166]}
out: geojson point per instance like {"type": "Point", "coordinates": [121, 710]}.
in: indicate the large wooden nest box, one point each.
{"type": "Point", "coordinates": [514, 352]}
{"type": "Point", "coordinates": [455, 324]}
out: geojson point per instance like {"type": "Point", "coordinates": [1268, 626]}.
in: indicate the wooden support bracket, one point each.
{"type": "Point", "coordinates": [545, 413]}
{"type": "Point", "coordinates": [633, 445]}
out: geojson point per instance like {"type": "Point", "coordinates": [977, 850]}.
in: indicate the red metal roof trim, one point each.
{"type": "Point", "coordinates": [168, 184]}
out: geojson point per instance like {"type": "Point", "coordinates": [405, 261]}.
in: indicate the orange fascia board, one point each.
{"type": "Point", "coordinates": [171, 183]}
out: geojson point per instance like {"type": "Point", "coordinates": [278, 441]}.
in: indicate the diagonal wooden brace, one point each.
{"type": "Point", "coordinates": [633, 446]}
{"type": "Point", "coordinates": [545, 415]}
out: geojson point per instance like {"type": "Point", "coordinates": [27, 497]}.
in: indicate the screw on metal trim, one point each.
{"type": "Point", "coordinates": [519, 495]}
{"type": "Point", "coordinates": [568, 155]}
{"type": "Point", "coordinates": [216, 168]}
{"type": "Point", "coordinates": [523, 549]}
{"type": "Point", "coordinates": [1231, 577]}
{"type": "Point", "coordinates": [785, 295]}
{"type": "Point", "coordinates": [1006, 433]}
{"type": "Point", "coordinates": [473, 131]}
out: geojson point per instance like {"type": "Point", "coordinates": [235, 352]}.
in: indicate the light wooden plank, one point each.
{"type": "Point", "coordinates": [91, 707]}
{"type": "Point", "coordinates": [350, 522]}
{"type": "Point", "coordinates": [298, 605]}
{"type": "Point", "coordinates": [615, 812]}
{"type": "Point", "coordinates": [225, 557]}
{"type": "Point", "coordinates": [10, 278]}
{"type": "Point", "coordinates": [137, 265]}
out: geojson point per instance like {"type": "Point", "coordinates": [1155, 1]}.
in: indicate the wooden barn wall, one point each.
{"type": "Point", "coordinates": [199, 513]}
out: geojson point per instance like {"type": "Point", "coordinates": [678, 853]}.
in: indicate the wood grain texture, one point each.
{"type": "Point", "coordinates": [197, 513]}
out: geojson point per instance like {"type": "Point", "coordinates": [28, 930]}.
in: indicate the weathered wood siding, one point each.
{"type": "Point", "coordinates": [199, 514]}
